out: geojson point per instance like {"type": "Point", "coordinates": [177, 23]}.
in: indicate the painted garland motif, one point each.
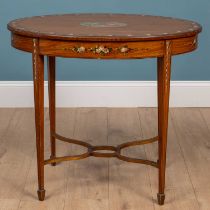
{"type": "Point", "coordinates": [103, 24]}
{"type": "Point", "coordinates": [101, 50]}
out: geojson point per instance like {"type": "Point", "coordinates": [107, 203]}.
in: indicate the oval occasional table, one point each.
{"type": "Point", "coordinates": [101, 36]}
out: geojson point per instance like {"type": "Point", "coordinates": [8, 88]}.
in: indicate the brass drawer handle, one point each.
{"type": "Point", "coordinates": [124, 49]}
{"type": "Point", "coordinates": [79, 49]}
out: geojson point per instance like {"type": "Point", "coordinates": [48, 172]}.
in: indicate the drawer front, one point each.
{"type": "Point", "coordinates": [102, 50]}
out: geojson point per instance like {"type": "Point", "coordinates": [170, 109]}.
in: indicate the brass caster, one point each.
{"type": "Point", "coordinates": [161, 198]}
{"type": "Point", "coordinates": [41, 194]}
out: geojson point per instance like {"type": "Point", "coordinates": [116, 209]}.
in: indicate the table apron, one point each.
{"type": "Point", "coordinates": [104, 50]}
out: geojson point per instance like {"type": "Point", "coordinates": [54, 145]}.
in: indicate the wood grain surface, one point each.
{"type": "Point", "coordinates": [102, 27]}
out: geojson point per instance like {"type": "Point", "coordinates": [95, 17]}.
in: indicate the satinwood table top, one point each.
{"type": "Point", "coordinates": [104, 27]}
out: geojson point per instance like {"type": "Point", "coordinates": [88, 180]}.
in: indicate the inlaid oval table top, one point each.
{"type": "Point", "coordinates": [102, 27]}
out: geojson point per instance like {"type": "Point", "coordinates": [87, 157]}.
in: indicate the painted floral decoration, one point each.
{"type": "Point", "coordinates": [102, 50]}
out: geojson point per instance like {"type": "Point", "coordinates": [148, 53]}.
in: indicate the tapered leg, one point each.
{"type": "Point", "coordinates": [51, 89]}
{"type": "Point", "coordinates": [164, 72]}
{"type": "Point", "coordinates": [38, 76]}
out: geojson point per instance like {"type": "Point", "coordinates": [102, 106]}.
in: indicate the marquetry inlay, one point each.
{"type": "Point", "coordinates": [103, 24]}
